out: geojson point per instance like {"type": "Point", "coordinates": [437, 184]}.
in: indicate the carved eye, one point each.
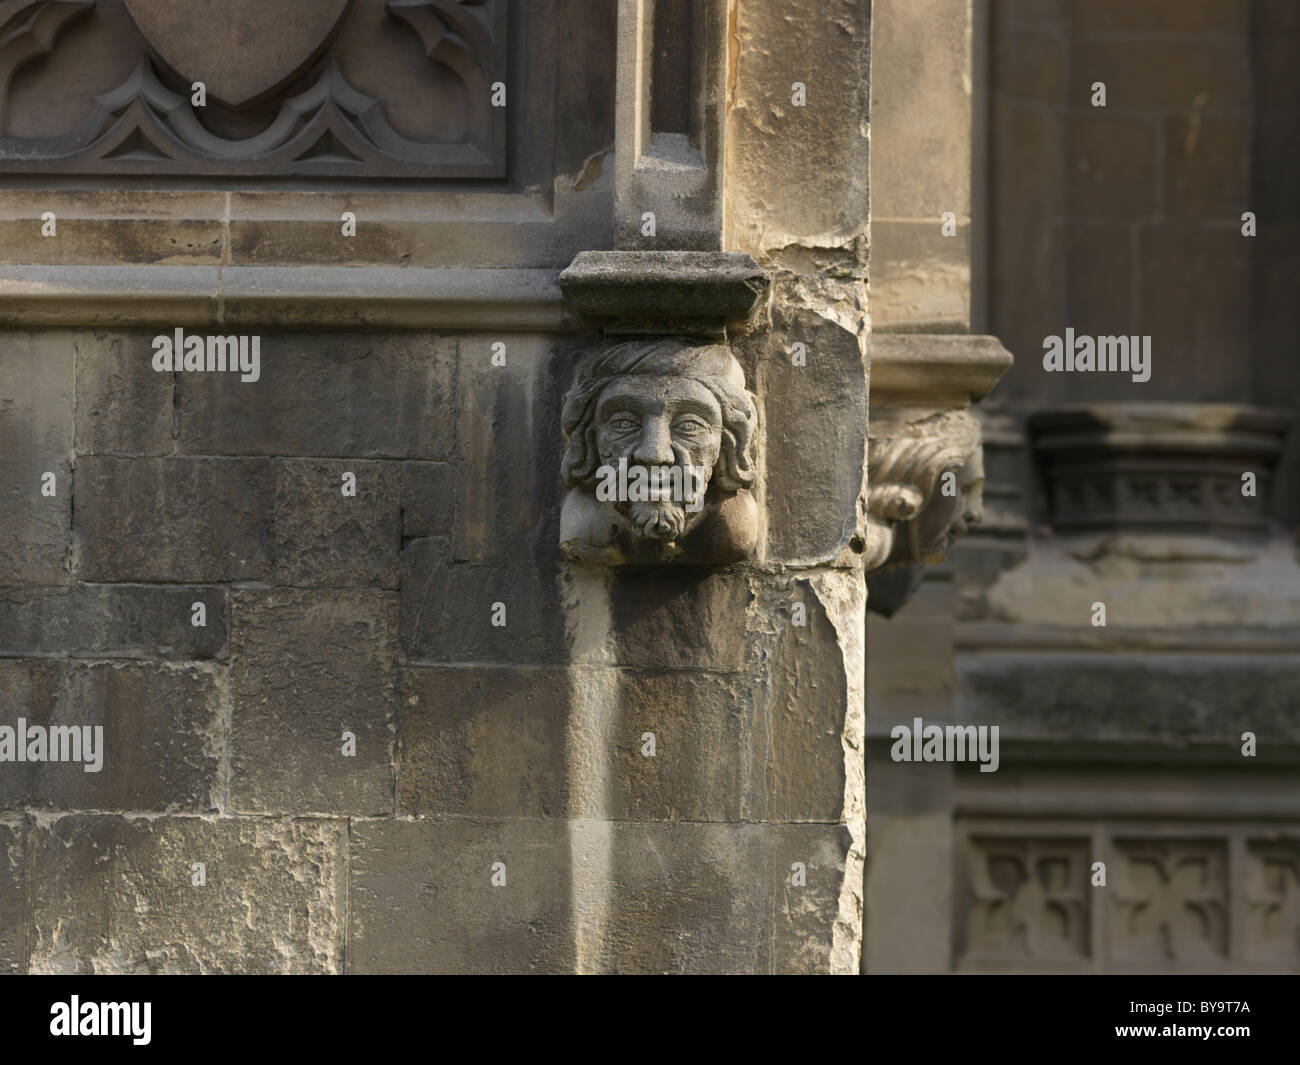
{"type": "Point", "coordinates": [623, 423]}
{"type": "Point", "coordinates": [691, 425]}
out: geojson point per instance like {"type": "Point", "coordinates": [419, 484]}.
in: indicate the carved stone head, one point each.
{"type": "Point", "coordinates": [927, 480]}
{"type": "Point", "coordinates": [659, 456]}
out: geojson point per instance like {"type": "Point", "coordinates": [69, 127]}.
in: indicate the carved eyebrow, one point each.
{"type": "Point", "coordinates": [635, 405]}
{"type": "Point", "coordinates": [694, 406]}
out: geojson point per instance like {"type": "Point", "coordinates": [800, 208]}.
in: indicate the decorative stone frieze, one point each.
{"type": "Point", "coordinates": [1158, 466]}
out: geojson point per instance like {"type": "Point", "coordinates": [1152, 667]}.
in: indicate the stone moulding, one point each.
{"type": "Point", "coordinates": [925, 455]}
{"type": "Point", "coordinates": [282, 297]}
{"type": "Point", "coordinates": [1158, 466]}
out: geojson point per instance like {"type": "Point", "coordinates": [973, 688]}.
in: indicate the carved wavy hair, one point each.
{"type": "Point", "coordinates": [904, 469]}
{"type": "Point", "coordinates": [712, 365]}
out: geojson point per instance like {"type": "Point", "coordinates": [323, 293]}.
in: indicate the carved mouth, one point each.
{"type": "Point", "coordinates": [658, 521]}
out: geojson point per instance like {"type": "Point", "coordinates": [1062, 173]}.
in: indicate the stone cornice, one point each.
{"type": "Point", "coordinates": [917, 368]}
{"type": "Point", "coordinates": [282, 297]}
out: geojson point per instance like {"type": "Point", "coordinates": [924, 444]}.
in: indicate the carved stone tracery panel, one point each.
{"type": "Point", "coordinates": [322, 88]}
{"type": "Point", "coordinates": [1227, 897]}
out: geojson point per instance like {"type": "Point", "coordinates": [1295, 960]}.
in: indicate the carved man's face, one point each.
{"type": "Point", "coordinates": [661, 423]}
{"type": "Point", "coordinates": [948, 516]}
{"type": "Point", "coordinates": [970, 487]}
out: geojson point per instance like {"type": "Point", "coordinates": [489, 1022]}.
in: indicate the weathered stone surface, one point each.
{"type": "Point", "coordinates": [1207, 165]}
{"type": "Point", "coordinates": [921, 121]}
{"type": "Point", "coordinates": [1101, 291]}
{"type": "Point", "coordinates": [36, 435]}
{"type": "Point", "coordinates": [909, 835]}
{"type": "Point", "coordinates": [797, 179]}
{"type": "Point", "coordinates": [816, 434]}
{"type": "Point", "coordinates": [448, 608]}
{"type": "Point", "coordinates": [507, 431]}
{"type": "Point", "coordinates": [115, 894]}
{"type": "Point", "coordinates": [920, 276]}
{"type": "Point", "coordinates": [679, 619]}
{"type": "Point", "coordinates": [1156, 16]}
{"type": "Point", "coordinates": [306, 667]}
{"type": "Point", "coordinates": [798, 175]}
{"type": "Point", "coordinates": [367, 395]}
{"type": "Point", "coordinates": [162, 735]}
{"type": "Point", "coordinates": [693, 717]}
{"type": "Point", "coordinates": [13, 895]}
{"type": "Point", "coordinates": [421, 898]}
{"type": "Point", "coordinates": [483, 741]}
{"type": "Point", "coordinates": [430, 493]}
{"type": "Point", "coordinates": [796, 748]}
{"type": "Point", "coordinates": [715, 898]}
{"type": "Point", "coordinates": [114, 620]}
{"type": "Point", "coordinates": [122, 403]}
{"type": "Point", "coordinates": [780, 726]}
{"type": "Point", "coordinates": [118, 227]}
{"type": "Point", "coordinates": [174, 519]}
{"type": "Point", "coordinates": [324, 538]}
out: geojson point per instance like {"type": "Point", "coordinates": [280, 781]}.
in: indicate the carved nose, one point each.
{"type": "Point", "coordinates": [655, 447]}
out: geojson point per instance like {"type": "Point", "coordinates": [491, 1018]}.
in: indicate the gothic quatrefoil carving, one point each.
{"type": "Point", "coordinates": [279, 98]}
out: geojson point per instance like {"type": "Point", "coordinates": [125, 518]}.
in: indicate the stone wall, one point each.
{"type": "Point", "coordinates": [409, 734]}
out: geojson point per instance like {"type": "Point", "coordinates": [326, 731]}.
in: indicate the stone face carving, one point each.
{"type": "Point", "coordinates": [926, 480]}
{"type": "Point", "coordinates": [667, 417]}
{"type": "Point", "coordinates": [318, 88]}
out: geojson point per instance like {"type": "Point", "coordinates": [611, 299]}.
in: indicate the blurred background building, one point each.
{"type": "Point", "coordinates": [1121, 743]}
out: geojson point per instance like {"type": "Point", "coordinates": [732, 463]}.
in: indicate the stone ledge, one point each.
{"type": "Point", "coordinates": [914, 367]}
{"type": "Point", "coordinates": [273, 297]}
{"type": "Point", "coordinates": [689, 292]}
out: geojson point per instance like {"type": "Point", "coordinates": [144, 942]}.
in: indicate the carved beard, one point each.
{"type": "Point", "coordinates": [668, 519]}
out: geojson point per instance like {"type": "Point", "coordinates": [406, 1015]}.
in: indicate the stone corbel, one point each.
{"type": "Point", "coordinates": [660, 430]}
{"type": "Point", "coordinates": [925, 456]}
